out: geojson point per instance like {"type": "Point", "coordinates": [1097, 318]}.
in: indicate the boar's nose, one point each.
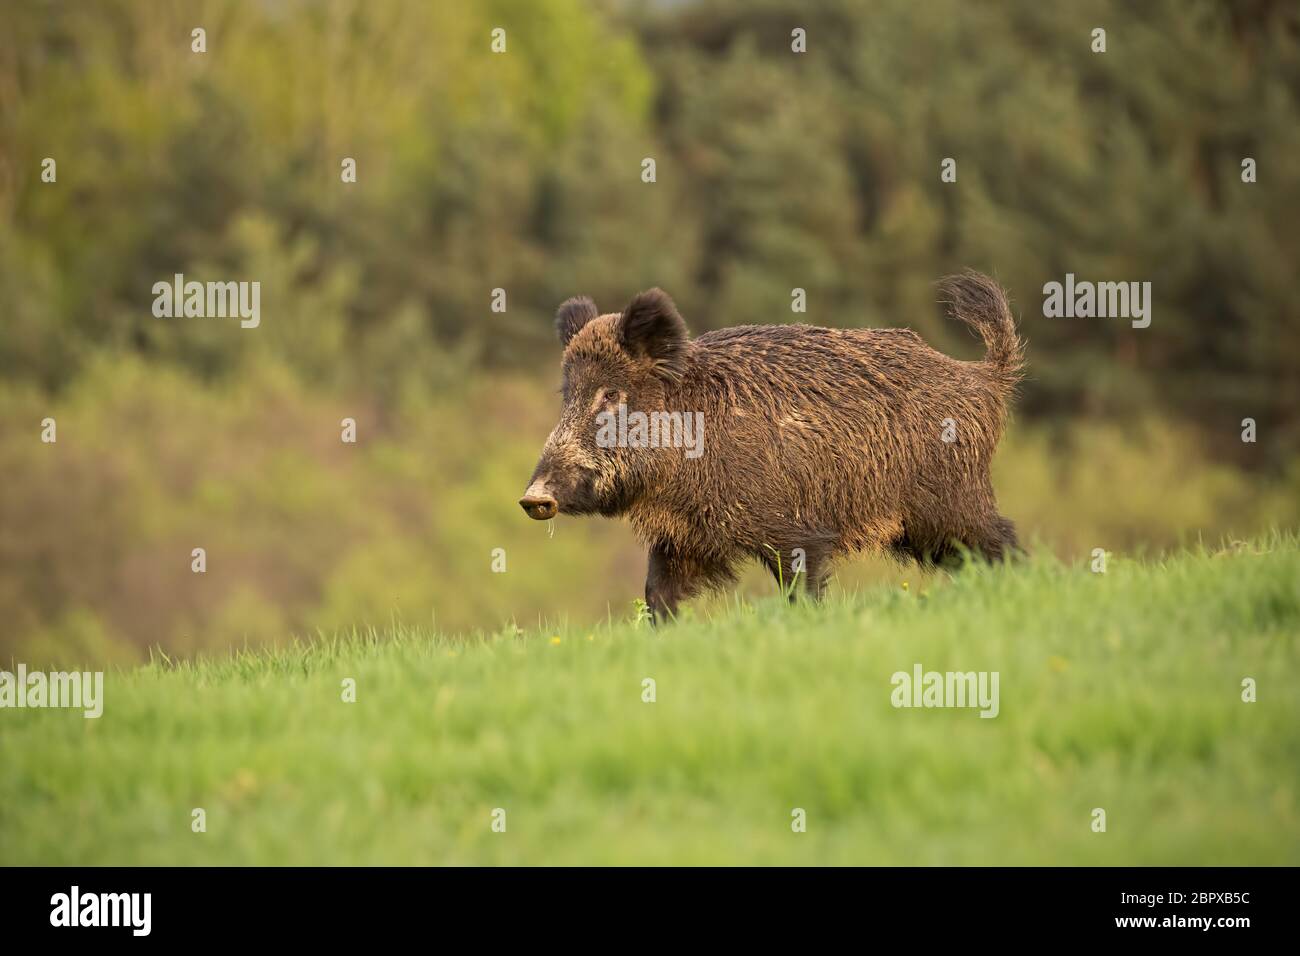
{"type": "Point", "coordinates": [538, 502]}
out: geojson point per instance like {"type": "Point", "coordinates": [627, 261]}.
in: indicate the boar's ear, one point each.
{"type": "Point", "coordinates": [572, 316]}
{"type": "Point", "coordinates": [651, 327]}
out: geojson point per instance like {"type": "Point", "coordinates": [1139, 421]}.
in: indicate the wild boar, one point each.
{"type": "Point", "coordinates": [813, 442]}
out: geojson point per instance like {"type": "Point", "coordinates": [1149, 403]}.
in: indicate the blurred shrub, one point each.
{"type": "Point", "coordinates": [521, 171]}
{"type": "Point", "coordinates": [205, 164]}
{"type": "Point", "coordinates": [303, 531]}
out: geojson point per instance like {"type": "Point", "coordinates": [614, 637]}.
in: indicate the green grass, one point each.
{"type": "Point", "coordinates": [1120, 691]}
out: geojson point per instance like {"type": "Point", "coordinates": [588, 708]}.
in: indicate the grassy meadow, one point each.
{"type": "Point", "coordinates": [414, 187]}
{"type": "Point", "coordinates": [1120, 691]}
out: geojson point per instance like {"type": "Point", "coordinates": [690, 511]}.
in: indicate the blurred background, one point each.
{"type": "Point", "coordinates": [522, 171]}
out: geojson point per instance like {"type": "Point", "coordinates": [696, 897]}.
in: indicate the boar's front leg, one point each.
{"type": "Point", "coordinates": [670, 579]}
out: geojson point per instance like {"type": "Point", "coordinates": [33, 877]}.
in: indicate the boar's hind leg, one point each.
{"type": "Point", "coordinates": [997, 540]}
{"type": "Point", "coordinates": [993, 541]}
{"type": "Point", "coordinates": [811, 572]}
{"type": "Point", "coordinates": [815, 586]}
{"type": "Point", "coordinates": [671, 578]}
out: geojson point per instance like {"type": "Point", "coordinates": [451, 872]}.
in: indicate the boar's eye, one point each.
{"type": "Point", "coordinates": [610, 396]}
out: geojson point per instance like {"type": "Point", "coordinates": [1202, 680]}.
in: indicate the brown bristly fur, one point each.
{"type": "Point", "coordinates": [825, 440]}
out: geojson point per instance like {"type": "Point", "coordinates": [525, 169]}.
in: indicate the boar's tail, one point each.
{"type": "Point", "coordinates": [980, 302]}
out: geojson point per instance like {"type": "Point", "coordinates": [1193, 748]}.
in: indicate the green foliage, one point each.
{"type": "Point", "coordinates": [822, 171]}
{"type": "Point", "coordinates": [776, 170]}
{"type": "Point", "coordinates": [304, 532]}
{"type": "Point", "coordinates": [520, 171]}
{"type": "Point", "coordinates": [172, 161]}
{"type": "Point", "coordinates": [1120, 691]}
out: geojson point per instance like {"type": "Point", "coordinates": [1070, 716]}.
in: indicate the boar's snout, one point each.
{"type": "Point", "coordinates": [538, 502]}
